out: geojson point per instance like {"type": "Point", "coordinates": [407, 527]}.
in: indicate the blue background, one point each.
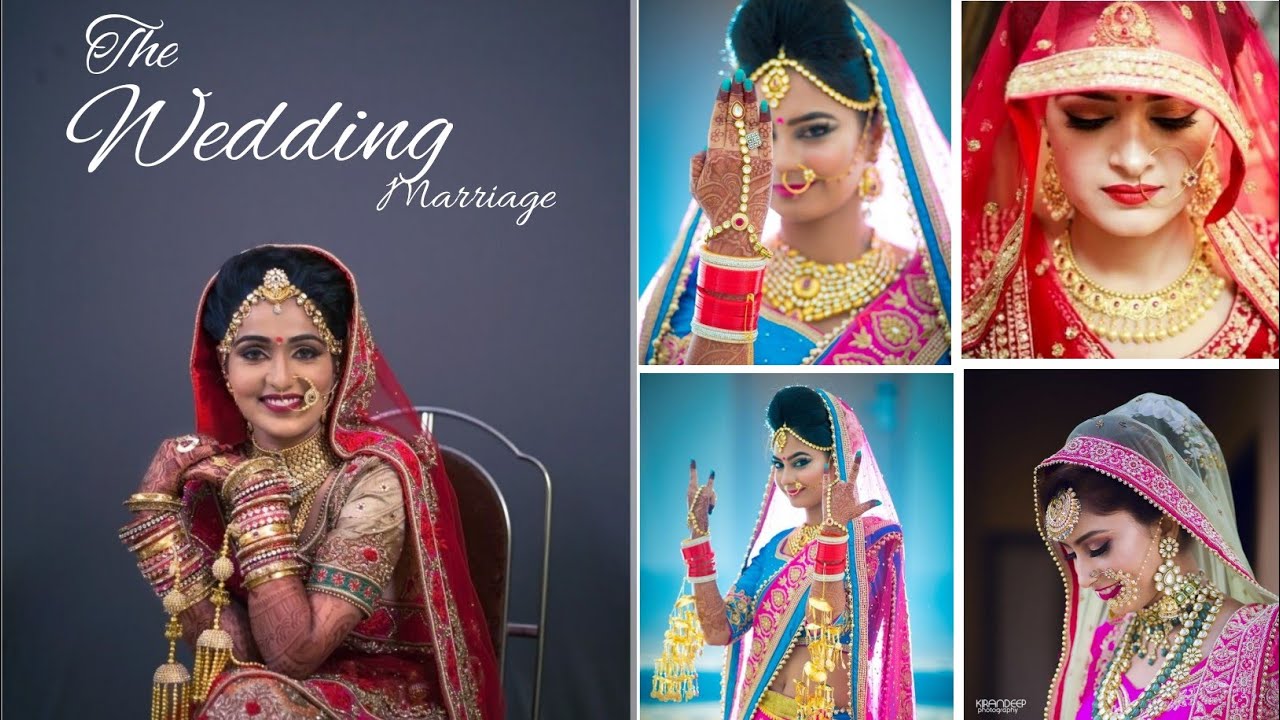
{"type": "Point", "coordinates": [683, 58]}
{"type": "Point", "coordinates": [718, 420]}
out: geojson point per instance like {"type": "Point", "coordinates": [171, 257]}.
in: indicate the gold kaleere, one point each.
{"type": "Point", "coordinates": [213, 648]}
{"type": "Point", "coordinates": [170, 686]}
{"type": "Point", "coordinates": [815, 698]}
{"type": "Point", "coordinates": [675, 679]}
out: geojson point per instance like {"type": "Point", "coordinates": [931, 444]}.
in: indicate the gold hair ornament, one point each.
{"type": "Point", "coordinates": [275, 289]}
{"type": "Point", "coordinates": [773, 83]}
{"type": "Point", "coordinates": [780, 440]}
{"type": "Point", "coordinates": [1062, 515]}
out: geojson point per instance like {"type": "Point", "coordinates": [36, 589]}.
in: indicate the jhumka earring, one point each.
{"type": "Point", "coordinates": [1208, 186]}
{"type": "Point", "coordinates": [1055, 199]}
{"type": "Point", "coordinates": [1168, 575]}
{"type": "Point", "coordinates": [869, 186]}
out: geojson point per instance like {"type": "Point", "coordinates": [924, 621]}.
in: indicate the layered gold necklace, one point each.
{"type": "Point", "coordinates": [1140, 317]}
{"type": "Point", "coordinates": [309, 464]}
{"type": "Point", "coordinates": [1171, 632]}
{"type": "Point", "coordinates": [813, 291]}
{"type": "Point", "coordinates": [801, 538]}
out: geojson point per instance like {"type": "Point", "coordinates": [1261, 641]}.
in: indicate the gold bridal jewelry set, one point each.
{"type": "Point", "coordinates": [1151, 316]}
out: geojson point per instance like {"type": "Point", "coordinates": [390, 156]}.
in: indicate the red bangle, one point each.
{"type": "Point", "coordinates": [699, 559]}
{"type": "Point", "coordinates": [730, 282]}
{"type": "Point", "coordinates": [733, 315]}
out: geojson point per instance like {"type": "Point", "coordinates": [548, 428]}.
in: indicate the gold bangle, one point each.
{"type": "Point", "coordinates": [243, 470]}
{"type": "Point", "coordinates": [163, 544]}
{"type": "Point", "coordinates": [156, 505]}
{"type": "Point", "coordinates": [280, 499]}
{"type": "Point", "coordinates": [273, 571]}
{"type": "Point", "coordinates": [200, 594]}
{"type": "Point", "coordinates": [156, 497]}
{"type": "Point", "coordinates": [248, 550]}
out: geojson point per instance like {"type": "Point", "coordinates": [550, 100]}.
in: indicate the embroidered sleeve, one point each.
{"type": "Point", "coordinates": [740, 602]}
{"type": "Point", "coordinates": [356, 558]}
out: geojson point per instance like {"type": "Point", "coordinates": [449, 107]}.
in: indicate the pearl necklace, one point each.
{"type": "Point", "coordinates": [813, 291]}
{"type": "Point", "coordinates": [1194, 605]}
{"type": "Point", "coordinates": [1140, 317]}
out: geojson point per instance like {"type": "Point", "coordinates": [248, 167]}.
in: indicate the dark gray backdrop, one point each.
{"type": "Point", "coordinates": [524, 327]}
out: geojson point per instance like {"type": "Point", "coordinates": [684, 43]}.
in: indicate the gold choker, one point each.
{"type": "Point", "coordinates": [309, 463]}
{"type": "Point", "coordinates": [812, 291]}
{"type": "Point", "coordinates": [1140, 317]}
{"type": "Point", "coordinates": [799, 540]}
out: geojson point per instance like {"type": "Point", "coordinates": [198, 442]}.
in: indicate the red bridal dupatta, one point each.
{"type": "Point", "coordinates": [766, 605]}
{"type": "Point", "coordinates": [429, 653]}
{"type": "Point", "coordinates": [1161, 450]}
{"type": "Point", "coordinates": [1211, 54]}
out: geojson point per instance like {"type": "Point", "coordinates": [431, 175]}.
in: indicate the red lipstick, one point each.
{"type": "Point", "coordinates": [1109, 591]}
{"type": "Point", "coordinates": [1131, 194]}
{"type": "Point", "coordinates": [781, 191]}
{"type": "Point", "coordinates": [281, 403]}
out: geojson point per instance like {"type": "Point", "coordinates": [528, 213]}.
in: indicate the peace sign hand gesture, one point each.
{"type": "Point", "coordinates": [701, 500]}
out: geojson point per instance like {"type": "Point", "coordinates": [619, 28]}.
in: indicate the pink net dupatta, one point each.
{"type": "Point", "coordinates": [879, 676]}
{"type": "Point", "coordinates": [448, 617]}
{"type": "Point", "coordinates": [1160, 449]}
{"type": "Point", "coordinates": [1211, 54]}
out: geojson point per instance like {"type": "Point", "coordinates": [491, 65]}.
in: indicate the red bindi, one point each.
{"type": "Point", "coordinates": [1128, 97]}
{"type": "Point", "coordinates": [782, 121]}
{"type": "Point", "coordinates": [279, 341]}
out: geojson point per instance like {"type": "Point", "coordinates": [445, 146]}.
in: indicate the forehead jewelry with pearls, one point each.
{"type": "Point", "coordinates": [773, 82]}
{"type": "Point", "coordinates": [1061, 516]}
{"type": "Point", "coordinates": [275, 289]}
{"type": "Point", "coordinates": [780, 440]}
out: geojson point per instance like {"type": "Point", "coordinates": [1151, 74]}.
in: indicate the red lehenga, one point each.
{"type": "Point", "coordinates": [1211, 54]}
{"type": "Point", "coordinates": [425, 651]}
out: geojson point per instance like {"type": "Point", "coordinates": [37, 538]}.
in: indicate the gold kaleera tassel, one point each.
{"type": "Point", "coordinates": [675, 679]}
{"type": "Point", "coordinates": [814, 697]}
{"type": "Point", "coordinates": [213, 648]}
{"type": "Point", "coordinates": [170, 686]}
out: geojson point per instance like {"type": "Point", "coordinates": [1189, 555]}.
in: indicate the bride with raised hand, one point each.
{"type": "Point", "coordinates": [306, 540]}
{"type": "Point", "coordinates": [816, 233]}
{"type": "Point", "coordinates": [1120, 184]}
{"type": "Point", "coordinates": [815, 624]}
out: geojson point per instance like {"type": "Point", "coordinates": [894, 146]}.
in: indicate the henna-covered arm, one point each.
{"type": "Point", "coordinates": [295, 630]}
{"type": "Point", "coordinates": [234, 620]}
{"type": "Point", "coordinates": [716, 183]}
{"type": "Point", "coordinates": [298, 625]}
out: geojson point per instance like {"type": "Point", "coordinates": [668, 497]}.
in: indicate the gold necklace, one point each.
{"type": "Point", "coordinates": [1140, 317]}
{"type": "Point", "coordinates": [800, 539]}
{"type": "Point", "coordinates": [813, 291]}
{"type": "Point", "coordinates": [309, 464]}
{"type": "Point", "coordinates": [1198, 604]}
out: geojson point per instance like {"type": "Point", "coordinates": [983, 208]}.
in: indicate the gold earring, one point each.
{"type": "Point", "coordinates": [869, 186]}
{"type": "Point", "coordinates": [1055, 199]}
{"type": "Point", "coordinates": [1208, 186]}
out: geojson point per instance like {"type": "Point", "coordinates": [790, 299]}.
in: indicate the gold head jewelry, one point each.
{"type": "Point", "coordinates": [773, 83]}
{"type": "Point", "coordinates": [1124, 24]}
{"type": "Point", "coordinates": [275, 289]}
{"type": "Point", "coordinates": [780, 440]}
{"type": "Point", "coordinates": [1061, 516]}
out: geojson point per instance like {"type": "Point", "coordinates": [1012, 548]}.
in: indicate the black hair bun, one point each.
{"type": "Point", "coordinates": [803, 410]}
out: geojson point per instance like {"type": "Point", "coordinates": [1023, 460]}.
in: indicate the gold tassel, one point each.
{"type": "Point", "coordinates": [675, 678]}
{"type": "Point", "coordinates": [814, 696]}
{"type": "Point", "coordinates": [213, 648]}
{"type": "Point", "coordinates": [170, 686]}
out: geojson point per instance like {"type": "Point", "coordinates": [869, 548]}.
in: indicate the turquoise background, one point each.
{"type": "Point", "coordinates": [718, 420]}
{"type": "Point", "coordinates": [683, 57]}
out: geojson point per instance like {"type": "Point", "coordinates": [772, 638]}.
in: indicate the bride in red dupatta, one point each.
{"type": "Point", "coordinates": [395, 628]}
{"type": "Point", "coordinates": [1146, 132]}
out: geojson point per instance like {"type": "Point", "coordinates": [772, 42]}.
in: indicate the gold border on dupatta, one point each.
{"type": "Point", "coordinates": [1255, 270]}
{"type": "Point", "coordinates": [655, 318]}
{"type": "Point", "coordinates": [1146, 69]}
{"type": "Point", "coordinates": [979, 308]}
